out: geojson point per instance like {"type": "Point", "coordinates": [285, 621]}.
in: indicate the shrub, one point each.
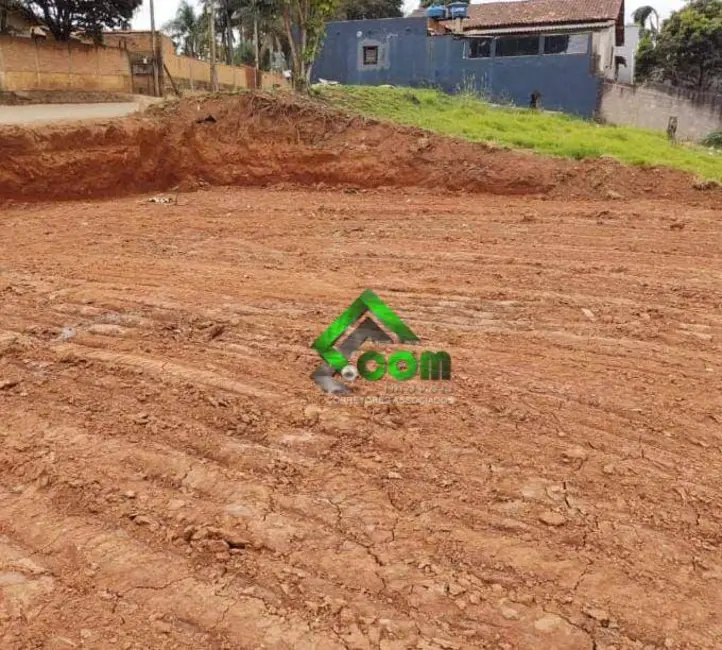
{"type": "Point", "coordinates": [713, 140]}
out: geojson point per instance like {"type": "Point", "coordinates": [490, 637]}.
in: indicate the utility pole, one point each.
{"type": "Point", "coordinates": [154, 46]}
{"type": "Point", "coordinates": [214, 72]}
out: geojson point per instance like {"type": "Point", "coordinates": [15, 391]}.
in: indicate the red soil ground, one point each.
{"type": "Point", "coordinates": [172, 478]}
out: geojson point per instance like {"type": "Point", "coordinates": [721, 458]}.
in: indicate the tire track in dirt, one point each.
{"type": "Point", "coordinates": [214, 484]}
{"type": "Point", "coordinates": [454, 526]}
{"type": "Point", "coordinates": [151, 581]}
{"type": "Point", "coordinates": [420, 524]}
{"type": "Point", "coordinates": [166, 368]}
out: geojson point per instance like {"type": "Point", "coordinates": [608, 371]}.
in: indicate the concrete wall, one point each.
{"type": "Point", "coordinates": [193, 74]}
{"type": "Point", "coordinates": [650, 107]}
{"type": "Point", "coordinates": [408, 57]}
{"type": "Point", "coordinates": [38, 64]}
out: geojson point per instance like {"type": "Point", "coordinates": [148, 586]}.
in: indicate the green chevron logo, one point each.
{"type": "Point", "coordinates": [372, 365]}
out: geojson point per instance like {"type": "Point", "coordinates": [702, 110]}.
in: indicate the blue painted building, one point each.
{"type": "Point", "coordinates": [564, 60]}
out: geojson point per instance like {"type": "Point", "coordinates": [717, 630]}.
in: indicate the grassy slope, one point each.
{"type": "Point", "coordinates": [551, 133]}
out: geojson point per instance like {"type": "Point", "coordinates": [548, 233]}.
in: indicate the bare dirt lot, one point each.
{"type": "Point", "coordinates": [172, 477]}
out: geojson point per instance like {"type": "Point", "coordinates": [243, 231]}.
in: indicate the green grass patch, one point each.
{"type": "Point", "coordinates": [471, 118]}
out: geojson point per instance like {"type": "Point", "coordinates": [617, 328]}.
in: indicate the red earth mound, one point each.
{"type": "Point", "coordinates": [261, 139]}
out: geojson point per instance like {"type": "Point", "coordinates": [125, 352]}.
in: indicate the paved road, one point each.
{"type": "Point", "coordinates": [63, 112]}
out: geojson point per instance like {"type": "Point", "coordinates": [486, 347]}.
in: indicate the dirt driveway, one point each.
{"type": "Point", "coordinates": [172, 478]}
{"type": "Point", "coordinates": [41, 113]}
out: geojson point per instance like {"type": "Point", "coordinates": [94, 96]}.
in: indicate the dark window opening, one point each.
{"type": "Point", "coordinates": [556, 44]}
{"type": "Point", "coordinates": [566, 44]}
{"type": "Point", "coordinates": [517, 46]}
{"type": "Point", "coordinates": [479, 48]}
{"type": "Point", "coordinates": [371, 54]}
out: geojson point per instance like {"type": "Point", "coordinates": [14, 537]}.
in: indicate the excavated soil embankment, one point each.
{"type": "Point", "coordinates": [259, 139]}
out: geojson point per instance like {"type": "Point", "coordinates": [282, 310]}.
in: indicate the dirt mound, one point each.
{"type": "Point", "coordinates": [260, 139]}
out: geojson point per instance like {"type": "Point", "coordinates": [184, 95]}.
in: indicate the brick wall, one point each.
{"type": "Point", "coordinates": [33, 64]}
{"type": "Point", "coordinates": [27, 64]}
{"type": "Point", "coordinates": [139, 42]}
{"type": "Point", "coordinates": [650, 107]}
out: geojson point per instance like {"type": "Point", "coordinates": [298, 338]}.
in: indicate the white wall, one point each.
{"type": "Point", "coordinates": [629, 52]}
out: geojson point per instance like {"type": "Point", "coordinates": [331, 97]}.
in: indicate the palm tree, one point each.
{"type": "Point", "coordinates": [644, 16]}
{"type": "Point", "coordinates": [187, 29]}
{"type": "Point", "coordinates": [227, 20]}
{"type": "Point", "coordinates": [263, 23]}
{"type": "Point", "coordinates": [224, 11]}
{"type": "Point", "coordinates": [256, 21]}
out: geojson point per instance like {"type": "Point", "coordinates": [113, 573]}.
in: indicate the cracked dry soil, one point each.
{"type": "Point", "coordinates": [172, 478]}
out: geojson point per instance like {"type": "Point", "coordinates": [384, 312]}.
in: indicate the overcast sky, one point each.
{"type": "Point", "coordinates": [165, 9]}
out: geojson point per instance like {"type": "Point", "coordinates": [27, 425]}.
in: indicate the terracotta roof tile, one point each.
{"type": "Point", "coordinates": [540, 12]}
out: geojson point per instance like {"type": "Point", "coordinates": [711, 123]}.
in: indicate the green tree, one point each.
{"type": "Point", "coordinates": [88, 17]}
{"type": "Point", "coordinates": [305, 25]}
{"type": "Point", "coordinates": [236, 26]}
{"type": "Point", "coordinates": [261, 20]}
{"type": "Point", "coordinates": [360, 9]}
{"type": "Point", "coordinates": [186, 29]}
{"type": "Point", "coordinates": [688, 49]}
{"type": "Point", "coordinates": [245, 54]}
{"type": "Point", "coordinates": [646, 59]}
{"type": "Point", "coordinates": [225, 24]}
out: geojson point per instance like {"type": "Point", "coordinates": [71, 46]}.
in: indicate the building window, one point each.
{"type": "Point", "coordinates": [566, 44]}
{"type": "Point", "coordinates": [479, 48]}
{"type": "Point", "coordinates": [371, 54]}
{"type": "Point", "coordinates": [517, 46]}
